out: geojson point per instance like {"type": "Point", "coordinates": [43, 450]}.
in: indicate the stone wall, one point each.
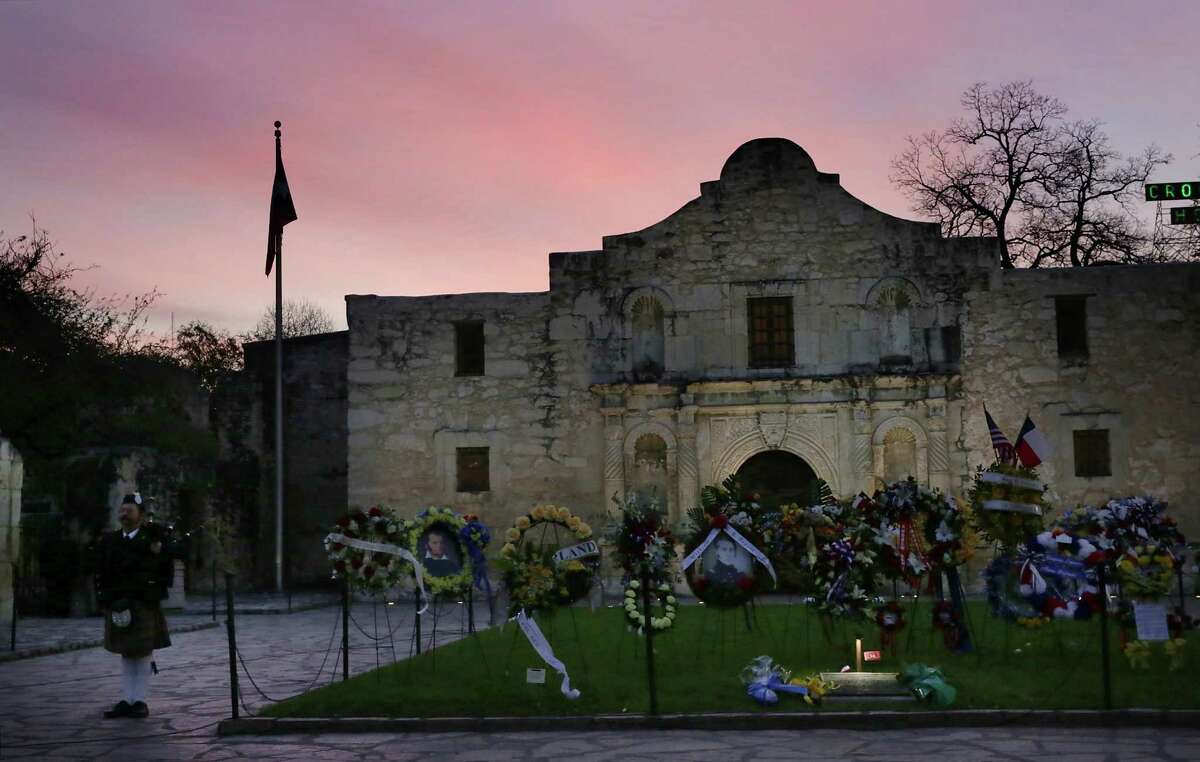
{"type": "Point", "coordinates": [409, 412]}
{"type": "Point", "coordinates": [1140, 380]}
{"type": "Point", "coordinates": [648, 339]}
{"type": "Point", "coordinates": [315, 437]}
{"type": "Point", "coordinates": [11, 475]}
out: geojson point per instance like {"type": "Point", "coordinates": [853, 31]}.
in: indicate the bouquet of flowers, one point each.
{"type": "Point", "coordinates": [1146, 571]}
{"type": "Point", "coordinates": [846, 571]}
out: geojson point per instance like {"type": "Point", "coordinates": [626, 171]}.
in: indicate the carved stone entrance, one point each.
{"type": "Point", "coordinates": [779, 477]}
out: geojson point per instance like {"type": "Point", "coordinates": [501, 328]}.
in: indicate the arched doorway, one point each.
{"type": "Point", "coordinates": [779, 477]}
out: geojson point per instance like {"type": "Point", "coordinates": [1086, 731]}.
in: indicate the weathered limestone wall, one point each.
{"type": "Point", "coordinates": [1141, 380]}
{"type": "Point", "coordinates": [315, 409]}
{"type": "Point", "coordinates": [11, 476]}
{"type": "Point", "coordinates": [868, 289]}
{"type": "Point", "coordinates": [409, 412]}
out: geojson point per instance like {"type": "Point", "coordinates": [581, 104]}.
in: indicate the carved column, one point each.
{"type": "Point", "coordinates": [614, 457]}
{"type": "Point", "coordinates": [688, 463]}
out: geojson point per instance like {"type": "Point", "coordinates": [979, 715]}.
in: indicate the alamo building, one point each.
{"type": "Point", "coordinates": [778, 328]}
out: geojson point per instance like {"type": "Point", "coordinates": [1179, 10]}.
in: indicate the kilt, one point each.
{"type": "Point", "coordinates": [146, 632]}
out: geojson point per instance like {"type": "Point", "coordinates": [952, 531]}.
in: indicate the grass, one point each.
{"type": "Point", "coordinates": [698, 661]}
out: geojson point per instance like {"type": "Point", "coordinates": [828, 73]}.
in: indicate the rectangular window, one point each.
{"type": "Point", "coordinates": [1092, 454]}
{"type": "Point", "coordinates": [468, 348]}
{"type": "Point", "coordinates": [952, 343]}
{"type": "Point", "coordinates": [472, 469]}
{"type": "Point", "coordinates": [771, 334]}
{"type": "Point", "coordinates": [1071, 316]}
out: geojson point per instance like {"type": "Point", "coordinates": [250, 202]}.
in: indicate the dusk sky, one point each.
{"type": "Point", "coordinates": [449, 147]}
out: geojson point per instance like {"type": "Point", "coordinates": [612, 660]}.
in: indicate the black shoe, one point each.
{"type": "Point", "coordinates": [120, 709]}
{"type": "Point", "coordinates": [139, 710]}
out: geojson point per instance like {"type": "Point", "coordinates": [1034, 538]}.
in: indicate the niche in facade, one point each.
{"type": "Point", "coordinates": [893, 300]}
{"type": "Point", "coordinates": [649, 343]}
{"type": "Point", "coordinates": [899, 455]}
{"type": "Point", "coordinates": [650, 480]}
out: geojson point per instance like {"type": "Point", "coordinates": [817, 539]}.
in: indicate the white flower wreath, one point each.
{"type": "Point", "coordinates": [634, 614]}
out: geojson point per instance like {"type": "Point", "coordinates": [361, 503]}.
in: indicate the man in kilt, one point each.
{"type": "Point", "coordinates": [133, 571]}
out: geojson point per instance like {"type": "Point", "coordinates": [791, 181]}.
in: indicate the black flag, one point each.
{"type": "Point", "coordinates": [283, 210]}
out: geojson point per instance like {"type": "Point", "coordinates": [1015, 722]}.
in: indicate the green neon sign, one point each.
{"type": "Point", "coordinates": [1185, 215]}
{"type": "Point", "coordinates": [1173, 191]}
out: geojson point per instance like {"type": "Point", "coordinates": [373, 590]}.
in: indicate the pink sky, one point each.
{"type": "Point", "coordinates": [448, 147]}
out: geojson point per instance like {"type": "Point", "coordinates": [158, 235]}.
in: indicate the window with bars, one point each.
{"type": "Point", "coordinates": [468, 348]}
{"type": "Point", "coordinates": [1070, 314]}
{"type": "Point", "coordinates": [1092, 453]}
{"type": "Point", "coordinates": [472, 469]}
{"type": "Point", "coordinates": [772, 343]}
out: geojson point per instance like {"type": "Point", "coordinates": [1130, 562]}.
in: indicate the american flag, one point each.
{"type": "Point", "coordinates": [1005, 453]}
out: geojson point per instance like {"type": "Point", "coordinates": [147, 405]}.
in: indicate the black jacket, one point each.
{"type": "Point", "coordinates": [131, 570]}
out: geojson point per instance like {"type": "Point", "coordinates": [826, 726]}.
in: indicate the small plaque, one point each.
{"type": "Point", "coordinates": [866, 683]}
{"type": "Point", "coordinates": [1151, 619]}
{"type": "Point", "coordinates": [535, 676]}
{"type": "Point", "coordinates": [872, 655]}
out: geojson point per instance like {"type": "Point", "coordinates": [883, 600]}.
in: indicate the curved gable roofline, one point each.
{"type": "Point", "coordinates": [763, 164]}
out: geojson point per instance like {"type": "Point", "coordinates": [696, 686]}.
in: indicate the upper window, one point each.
{"type": "Point", "coordinates": [1071, 316]}
{"type": "Point", "coordinates": [771, 335]}
{"type": "Point", "coordinates": [1092, 454]}
{"type": "Point", "coordinates": [468, 348]}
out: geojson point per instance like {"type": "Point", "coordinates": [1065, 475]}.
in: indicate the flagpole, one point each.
{"type": "Point", "coordinates": [278, 392]}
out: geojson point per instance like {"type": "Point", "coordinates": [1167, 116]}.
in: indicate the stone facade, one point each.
{"type": "Point", "coordinates": [637, 370]}
{"type": "Point", "coordinates": [11, 476]}
{"type": "Point", "coordinates": [1139, 381]}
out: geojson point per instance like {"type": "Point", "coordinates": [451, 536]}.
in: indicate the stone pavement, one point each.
{"type": "Point", "coordinates": [50, 709]}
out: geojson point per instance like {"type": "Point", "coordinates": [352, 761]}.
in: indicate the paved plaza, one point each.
{"type": "Point", "coordinates": [50, 709]}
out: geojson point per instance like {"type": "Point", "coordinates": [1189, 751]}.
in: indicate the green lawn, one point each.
{"type": "Point", "coordinates": [697, 662]}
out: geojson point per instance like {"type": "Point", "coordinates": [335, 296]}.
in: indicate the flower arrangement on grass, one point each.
{"type": "Point", "coordinates": [450, 571]}
{"type": "Point", "coordinates": [846, 572]}
{"type": "Point", "coordinates": [547, 559]}
{"type": "Point", "coordinates": [369, 569]}
{"type": "Point", "coordinates": [793, 547]}
{"type": "Point", "coordinates": [633, 606]}
{"type": "Point", "coordinates": [897, 515]}
{"type": "Point", "coordinates": [1122, 524]}
{"type": "Point", "coordinates": [1007, 504]}
{"type": "Point", "coordinates": [723, 551]}
{"type": "Point", "coordinates": [948, 533]}
{"type": "Point", "coordinates": [1146, 572]}
{"type": "Point", "coordinates": [475, 537]}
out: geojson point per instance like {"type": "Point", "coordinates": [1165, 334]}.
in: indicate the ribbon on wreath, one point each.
{"type": "Point", "coordinates": [737, 537]}
{"type": "Point", "coordinates": [389, 549]}
{"type": "Point", "coordinates": [843, 550]}
{"type": "Point", "coordinates": [534, 635]}
{"type": "Point", "coordinates": [910, 542]}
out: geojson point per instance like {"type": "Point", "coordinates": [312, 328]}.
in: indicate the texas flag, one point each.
{"type": "Point", "coordinates": [1032, 448]}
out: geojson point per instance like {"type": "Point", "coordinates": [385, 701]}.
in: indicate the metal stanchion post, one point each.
{"type": "Point", "coordinates": [1102, 579]}
{"type": "Point", "coordinates": [232, 636]}
{"type": "Point", "coordinates": [649, 630]}
{"type": "Point", "coordinates": [345, 629]}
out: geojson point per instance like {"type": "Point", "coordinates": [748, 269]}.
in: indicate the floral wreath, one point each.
{"type": "Point", "coordinates": [1007, 504]}
{"type": "Point", "coordinates": [369, 571]}
{"type": "Point", "coordinates": [897, 515]}
{"type": "Point", "coordinates": [946, 532]}
{"type": "Point", "coordinates": [1037, 584]}
{"type": "Point", "coordinates": [846, 571]}
{"type": "Point", "coordinates": [634, 615]}
{"type": "Point", "coordinates": [536, 579]}
{"type": "Point", "coordinates": [948, 619]}
{"type": "Point", "coordinates": [642, 540]}
{"type": "Point", "coordinates": [436, 517]}
{"type": "Point", "coordinates": [1146, 571]}
{"type": "Point", "coordinates": [727, 508]}
{"type": "Point", "coordinates": [795, 547]}
{"type": "Point", "coordinates": [1125, 523]}
{"type": "Point", "coordinates": [475, 537]}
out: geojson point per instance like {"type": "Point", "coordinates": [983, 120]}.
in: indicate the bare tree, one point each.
{"type": "Point", "coordinates": [300, 318]}
{"type": "Point", "coordinates": [1053, 193]}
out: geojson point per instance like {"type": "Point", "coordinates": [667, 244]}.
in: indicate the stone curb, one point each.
{"type": "Point", "coordinates": [882, 720]}
{"type": "Point", "coordinates": [30, 653]}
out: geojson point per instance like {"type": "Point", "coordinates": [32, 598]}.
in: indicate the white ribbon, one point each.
{"type": "Point", "coordinates": [582, 550]}
{"type": "Point", "coordinates": [1010, 507]}
{"type": "Point", "coordinates": [1011, 481]}
{"type": "Point", "coordinates": [393, 550]}
{"type": "Point", "coordinates": [737, 537]}
{"type": "Point", "coordinates": [534, 635]}
{"type": "Point", "coordinates": [1037, 582]}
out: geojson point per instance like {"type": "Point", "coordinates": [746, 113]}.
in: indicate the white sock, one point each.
{"type": "Point", "coordinates": [128, 678]}
{"type": "Point", "coordinates": [138, 671]}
